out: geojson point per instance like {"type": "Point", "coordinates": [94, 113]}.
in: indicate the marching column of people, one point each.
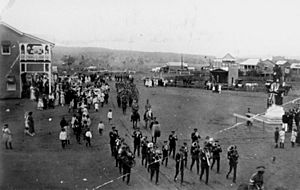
{"type": "Point", "coordinates": [151, 155]}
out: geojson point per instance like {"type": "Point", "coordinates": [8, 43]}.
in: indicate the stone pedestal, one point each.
{"type": "Point", "coordinates": [274, 112]}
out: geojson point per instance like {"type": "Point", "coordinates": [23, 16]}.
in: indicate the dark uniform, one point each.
{"type": "Point", "coordinates": [257, 179]}
{"type": "Point", "coordinates": [179, 165]}
{"type": "Point", "coordinates": [297, 118]}
{"type": "Point", "coordinates": [232, 156]}
{"type": "Point", "coordinates": [172, 143]}
{"type": "Point", "coordinates": [63, 123]}
{"type": "Point", "coordinates": [113, 135]}
{"type": "Point", "coordinates": [137, 135]}
{"type": "Point", "coordinates": [185, 152]}
{"type": "Point", "coordinates": [290, 118]}
{"type": "Point", "coordinates": [249, 123]}
{"type": "Point", "coordinates": [205, 163]}
{"type": "Point", "coordinates": [77, 130]}
{"type": "Point", "coordinates": [150, 154]}
{"type": "Point", "coordinates": [155, 159]}
{"type": "Point", "coordinates": [195, 153]}
{"type": "Point", "coordinates": [216, 150]}
{"type": "Point", "coordinates": [165, 150]}
{"type": "Point", "coordinates": [195, 136]}
{"type": "Point", "coordinates": [276, 137]}
{"type": "Point", "coordinates": [120, 153]}
{"type": "Point", "coordinates": [124, 105]}
{"type": "Point", "coordinates": [117, 150]}
{"type": "Point", "coordinates": [144, 151]}
{"type": "Point", "coordinates": [127, 162]}
{"type": "Point", "coordinates": [119, 100]}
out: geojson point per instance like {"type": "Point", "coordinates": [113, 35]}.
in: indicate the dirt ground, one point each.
{"type": "Point", "coordinates": [40, 163]}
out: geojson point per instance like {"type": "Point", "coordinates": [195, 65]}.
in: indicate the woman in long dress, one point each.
{"type": "Point", "coordinates": [40, 105]}
{"type": "Point", "coordinates": [32, 93]}
{"type": "Point", "coordinates": [56, 101]}
{"type": "Point", "coordinates": [62, 98]}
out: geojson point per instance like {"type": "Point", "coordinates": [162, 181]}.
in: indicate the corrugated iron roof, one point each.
{"type": "Point", "coordinates": [252, 62]}
{"type": "Point", "coordinates": [281, 62]}
{"type": "Point", "coordinates": [177, 64]}
{"type": "Point", "coordinates": [295, 66]}
{"type": "Point", "coordinates": [24, 34]}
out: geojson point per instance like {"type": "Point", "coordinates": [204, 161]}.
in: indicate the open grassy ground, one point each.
{"type": "Point", "coordinates": [40, 163]}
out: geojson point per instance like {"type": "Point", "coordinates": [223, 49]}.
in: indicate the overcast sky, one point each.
{"type": "Point", "coordinates": [207, 27]}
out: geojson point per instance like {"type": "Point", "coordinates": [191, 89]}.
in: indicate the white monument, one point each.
{"type": "Point", "coordinates": [275, 111]}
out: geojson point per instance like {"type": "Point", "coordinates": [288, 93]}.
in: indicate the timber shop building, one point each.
{"type": "Point", "coordinates": [22, 57]}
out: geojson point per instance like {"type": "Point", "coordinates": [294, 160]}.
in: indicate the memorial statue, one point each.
{"type": "Point", "coordinates": [275, 96]}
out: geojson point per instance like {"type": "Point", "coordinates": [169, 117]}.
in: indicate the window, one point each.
{"type": "Point", "coordinates": [11, 87]}
{"type": "Point", "coordinates": [22, 67]}
{"type": "Point", "coordinates": [5, 50]}
{"type": "Point", "coordinates": [5, 47]}
{"type": "Point", "coordinates": [11, 84]}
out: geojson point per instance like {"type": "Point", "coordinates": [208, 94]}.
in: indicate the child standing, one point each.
{"type": "Point", "coordinates": [7, 136]}
{"type": "Point", "coordinates": [68, 131]}
{"type": "Point", "coordinates": [276, 136]}
{"type": "Point", "coordinates": [101, 98]}
{"type": "Point", "coordinates": [96, 103]}
{"type": "Point", "coordinates": [185, 151]}
{"type": "Point", "coordinates": [109, 116]}
{"type": "Point", "coordinates": [63, 137]}
{"type": "Point", "coordinates": [293, 137]}
{"type": "Point", "coordinates": [100, 127]}
{"type": "Point", "coordinates": [281, 138]}
{"type": "Point", "coordinates": [88, 137]}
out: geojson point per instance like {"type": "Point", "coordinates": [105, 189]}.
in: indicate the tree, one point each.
{"type": "Point", "coordinates": [140, 61]}
{"type": "Point", "coordinates": [69, 60]}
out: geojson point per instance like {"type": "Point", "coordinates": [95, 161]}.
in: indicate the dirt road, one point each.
{"type": "Point", "coordinates": [40, 163]}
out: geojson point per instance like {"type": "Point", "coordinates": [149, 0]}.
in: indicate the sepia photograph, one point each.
{"type": "Point", "coordinates": [150, 95]}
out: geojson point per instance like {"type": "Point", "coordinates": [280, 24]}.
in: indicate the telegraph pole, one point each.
{"type": "Point", "coordinates": [181, 62]}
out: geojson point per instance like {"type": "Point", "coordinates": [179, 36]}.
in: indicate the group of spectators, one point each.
{"type": "Point", "coordinates": [82, 99]}
{"type": "Point", "coordinates": [290, 124]}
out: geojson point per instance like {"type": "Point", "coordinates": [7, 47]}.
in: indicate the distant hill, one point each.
{"type": "Point", "coordinates": [120, 59]}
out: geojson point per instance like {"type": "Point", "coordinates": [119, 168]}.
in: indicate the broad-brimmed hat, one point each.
{"type": "Point", "coordinates": [260, 168]}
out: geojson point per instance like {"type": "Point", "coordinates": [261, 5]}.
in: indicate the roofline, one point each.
{"type": "Point", "coordinates": [39, 39]}
{"type": "Point", "coordinates": [24, 34]}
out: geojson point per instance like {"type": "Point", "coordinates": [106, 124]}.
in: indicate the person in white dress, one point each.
{"type": "Point", "coordinates": [62, 98]}
{"type": "Point", "coordinates": [293, 137]}
{"type": "Point", "coordinates": [32, 93]}
{"type": "Point", "coordinates": [56, 101]}
{"type": "Point", "coordinates": [7, 137]}
{"type": "Point", "coordinates": [40, 105]}
{"type": "Point", "coordinates": [281, 138]}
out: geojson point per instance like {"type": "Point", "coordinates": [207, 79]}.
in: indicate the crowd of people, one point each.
{"type": "Point", "coordinates": [83, 95]}
{"type": "Point", "coordinates": [214, 87]}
